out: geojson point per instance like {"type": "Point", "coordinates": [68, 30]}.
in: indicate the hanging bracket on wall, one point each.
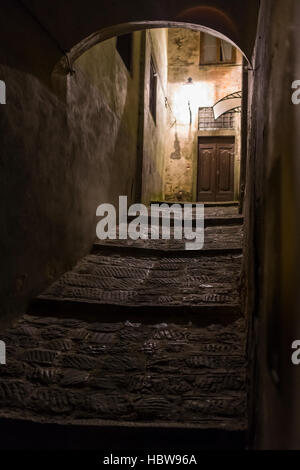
{"type": "Point", "coordinates": [69, 68]}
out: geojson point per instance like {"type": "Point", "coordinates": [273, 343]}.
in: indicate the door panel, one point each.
{"type": "Point", "coordinates": [225, 161]}
{"type": "Point", "coordinates": [206, 172]}
{"type": "Point", "coordinates": [216, 169]}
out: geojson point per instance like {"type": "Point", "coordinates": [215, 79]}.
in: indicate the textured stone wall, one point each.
{"type": "Point", "coordinates": [116, 92]}
{"type": "Point", "coordinates": [272, 227]}
{"type": "Point", "coordinates": [211, 83]}
{"type": "Point", "coordinates": [59, 160]}
{"type": "Point", "coordinates": [154, 136]}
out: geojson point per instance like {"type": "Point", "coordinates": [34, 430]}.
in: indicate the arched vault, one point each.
{"type": "Point", "coordinates": [77, 25]}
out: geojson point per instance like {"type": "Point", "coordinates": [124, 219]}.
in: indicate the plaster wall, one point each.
{"type": "Point", "coordinates": [272, 228]}
{"type": "Point", "coordinates": [59, 160]}
{"type": "Point", "coordinates": [117, 91]}
{"type": "Point", "coordinates": [210, 84]}
{"type": "Point", "coordinates": [154, 134]}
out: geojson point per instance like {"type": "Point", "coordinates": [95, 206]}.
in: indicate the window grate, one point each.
{"type": "Point", "coordinates": [208, 121]}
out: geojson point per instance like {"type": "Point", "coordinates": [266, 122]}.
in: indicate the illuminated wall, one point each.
{"type": "Point", "coordinates": [154, 130]}
{"type": "Point", "coordinates": [210, 84]}
{"type": "Point", "coordinates": [115, 91]}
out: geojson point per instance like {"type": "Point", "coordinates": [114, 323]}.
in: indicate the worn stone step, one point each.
{"type": "Point", "coordinates": [114, 376]}
{"type": "Point", "coordinates": [32, 434]}
{"type": "Point", "coordinates": [165, 250]}
{"type": "Point", "coordinates": [210, 212]}
{"type": "Point", "coordinates": [114, 283]}
{"type": "Point", "coordinates": [221, 221]}
{"type": "Point", "coordinates": [139, 342]}
{"type": "Point", "coordinates": [220, 240]}
{"type": "Point", "coordinates": [221, 204]}
{"type": "Point", "coordinates": [214, 215]}
{"type": "Point", "coordinates": [203, 315]}
{"type": "Point", "coordinates": [209, 221]}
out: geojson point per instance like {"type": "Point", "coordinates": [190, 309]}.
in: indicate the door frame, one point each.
{"type": "Point", "coordinates": [217, 136]}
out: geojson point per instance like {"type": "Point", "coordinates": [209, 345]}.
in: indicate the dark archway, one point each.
{"type": "Point", "coordinates": [235, 19]}
{"type": "Point", "coordinates": [69, 27]}
{"type": "Point", "coordinates": [125, 28]}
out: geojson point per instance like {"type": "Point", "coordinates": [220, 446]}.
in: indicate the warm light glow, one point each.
{"type": "Point", "coordinates": [189, 90]}
{"type": "Point", "coordinates": [190, 96]}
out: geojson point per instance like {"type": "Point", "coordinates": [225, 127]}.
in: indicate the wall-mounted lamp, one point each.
{"type": "Point", "coordinates": [189, 92]}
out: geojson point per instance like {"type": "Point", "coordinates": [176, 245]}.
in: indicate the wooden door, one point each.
{"type": "Point", "coordinates": [215, 169]}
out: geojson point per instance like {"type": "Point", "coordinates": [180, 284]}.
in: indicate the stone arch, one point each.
{"type": "Point", "coordinates": [64, 66]}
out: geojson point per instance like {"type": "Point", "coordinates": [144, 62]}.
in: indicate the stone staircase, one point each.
{"type": "Point", "coordinates": [140, 346]}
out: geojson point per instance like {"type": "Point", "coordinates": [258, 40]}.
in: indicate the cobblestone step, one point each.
{"type": "Point", "coordinates": [217, 240]}
{"type": "Point", "coordinates": [70, 372]}
{"type": "Point", "coordinates": [214, 215]}
{"type": "Point", "coordinates": [226, 205]}
{"type": "Point", "coordinates": [209, 221]}
{"type": "Point", "coordinates": [108, 282]}
{"type": "Point", "coordinates": [141, 342]}
{"type": "Point", "coordinates": [42, 434]}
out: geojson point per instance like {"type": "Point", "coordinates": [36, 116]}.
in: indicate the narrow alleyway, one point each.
{"type": "Point", "coordinates": [144, 338]}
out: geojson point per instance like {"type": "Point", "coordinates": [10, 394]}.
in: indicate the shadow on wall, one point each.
{"type": "Point", "coordinates": [118, 88]}
{"type": "Point", "coordinates": [176, 155]}
{"type": "Point", "coordinates": [56, 163]}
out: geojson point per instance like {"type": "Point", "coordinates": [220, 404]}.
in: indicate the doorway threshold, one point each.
{"type": "Point", "coordinates": [206, 204]}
